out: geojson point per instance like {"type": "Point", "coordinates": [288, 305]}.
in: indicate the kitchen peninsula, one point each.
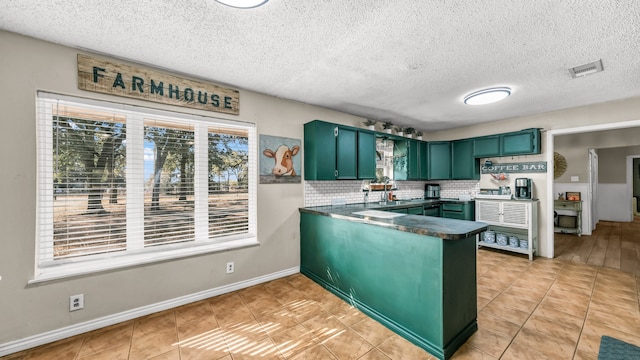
{"type": "Point", "coordinates": [414, 274]}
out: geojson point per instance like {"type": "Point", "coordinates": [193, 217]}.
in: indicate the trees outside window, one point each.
{"type": "Point", "coordinates": [116, 181]}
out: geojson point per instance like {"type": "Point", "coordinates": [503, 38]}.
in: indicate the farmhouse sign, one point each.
{"type": "Point", "coordinates": [520, 167]}
{"type": "Point", "coordinates": [112, 78]}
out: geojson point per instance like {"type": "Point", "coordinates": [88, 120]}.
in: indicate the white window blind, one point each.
{"type": "Point", "coordinates": [121, 185]}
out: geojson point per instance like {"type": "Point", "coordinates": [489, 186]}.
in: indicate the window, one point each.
{"type": "Point", "coordinates": [120, 185]}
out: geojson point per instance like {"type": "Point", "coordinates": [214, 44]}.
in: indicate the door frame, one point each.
{"type": "Point", "coordinates": [593, 188]}
{"type": "Point", "coordinates": [548, 250]}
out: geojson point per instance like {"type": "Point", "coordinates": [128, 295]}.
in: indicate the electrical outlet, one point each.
{"type": "Point", "coordinates": [230, 267]}
{"type": "Point", "coordinates": [76, 302]}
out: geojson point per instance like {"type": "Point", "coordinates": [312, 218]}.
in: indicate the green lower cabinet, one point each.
{"type": "Point", "coordinates": [421, 287]}
{"type": "Point", "coordinates": [415, 210]}
{"type": "Point", "coordinates": [459, 210]}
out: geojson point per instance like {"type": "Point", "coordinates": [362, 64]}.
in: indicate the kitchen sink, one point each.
{"type": "Point", "coordinates": [379, 214]}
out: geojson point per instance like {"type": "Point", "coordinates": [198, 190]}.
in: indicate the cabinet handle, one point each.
{"type": "Point", "coordinates": [335, 131]}
{"type": "Point", "coordinates": [336, 173]}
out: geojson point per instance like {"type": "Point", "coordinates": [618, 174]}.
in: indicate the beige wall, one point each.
{"type": "Point", "coordinates": [575, 149]}
{"type": "Point", "coordinates": [28, 65]}
{"type": "Point", "coordinates": [612, 163]}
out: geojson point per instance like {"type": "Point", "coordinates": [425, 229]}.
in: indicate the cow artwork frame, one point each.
{"type": "Point", "coordinates": [280, 160]}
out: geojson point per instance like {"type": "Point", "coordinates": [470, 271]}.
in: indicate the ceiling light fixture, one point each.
{"type": "Point", "coordinates": [487, 96]}
{"type": "Point", "coordinates": [243, 4]}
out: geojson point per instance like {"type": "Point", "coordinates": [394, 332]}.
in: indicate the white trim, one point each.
{"type": "Point", "coordinates": [118, 261]}
{"type": "Point", "coordinates": [549, 149]}
{"type": "Point", "coordinates": [76, 329]}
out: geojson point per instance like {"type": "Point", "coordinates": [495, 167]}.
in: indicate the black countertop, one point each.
{"type": "Point", "coordinates": [448, 229]}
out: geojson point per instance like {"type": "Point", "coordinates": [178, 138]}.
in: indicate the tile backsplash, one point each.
{"type": "Point", "coordinates": [318, 193]}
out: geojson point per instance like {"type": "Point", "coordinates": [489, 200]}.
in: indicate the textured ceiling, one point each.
{"type": "Point", "coordinates": [410, 62]}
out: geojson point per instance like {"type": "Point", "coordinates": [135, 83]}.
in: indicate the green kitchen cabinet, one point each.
{"type": "Point", "coordinates": [366, 155]}
{"type": "Point", "coordinates": [464, 166]}
{"type": "Point", "coordinates": [423, 155]}
{"type": "Point", "coordinates": [523, 142]}
{"type": "Point", "coordinates": [487, 146]}
{"type": "Point", "coordinates": [319, 151]}
{"type": "Point", "coordinates": [400, 159]}
{"type": "Point", "coordinates": [413, 159]}
{"type": "Point", "coordinates": [416, 210]}
{"type": "Point", "coordinates": [439, 160]}
{"type": "Point", "coordinates": [459, 210]}
{"type": "Point", "coordinates": [346, 153]}
{"type": "Point", "coordinates": [331, 152]}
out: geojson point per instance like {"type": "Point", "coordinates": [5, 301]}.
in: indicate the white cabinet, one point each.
{"type": "Point", "coordinates": [511, 218]}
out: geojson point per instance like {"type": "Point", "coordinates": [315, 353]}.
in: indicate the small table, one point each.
{"type": "Point", "coordinates": [576, 208]}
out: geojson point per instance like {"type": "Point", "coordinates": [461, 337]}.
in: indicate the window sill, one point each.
{"type": "Point", "coordinates": [69, 270]}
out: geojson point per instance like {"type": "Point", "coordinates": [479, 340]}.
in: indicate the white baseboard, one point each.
{"type": "Point", "coordinates": [72, 330]}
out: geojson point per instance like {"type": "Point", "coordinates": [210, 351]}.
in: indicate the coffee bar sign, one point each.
{"type": "Point", "coordinates": [520, 167]}
{"type": "Point", "coordinates": [113, 78]}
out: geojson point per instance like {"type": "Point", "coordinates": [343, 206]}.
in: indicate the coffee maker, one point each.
{"type": "Point", "coordinates": [524, 189]}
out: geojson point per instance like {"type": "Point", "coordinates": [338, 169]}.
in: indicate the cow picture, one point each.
{"type": "Point", "coordinates": [279, 160]}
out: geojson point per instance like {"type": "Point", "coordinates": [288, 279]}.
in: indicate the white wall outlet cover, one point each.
{"type": "Point", "coordinates": [76, 302]}
{"type": "Point", "coordinates": [575, 178]}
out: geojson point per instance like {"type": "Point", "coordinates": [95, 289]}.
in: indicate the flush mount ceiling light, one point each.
{"type": "Point", "coordinates": [243, 4]}
{"type": "Point", "coordinates": [487, 96]}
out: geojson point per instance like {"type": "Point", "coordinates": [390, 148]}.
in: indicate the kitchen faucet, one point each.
{"type": "Point", "coordinates": [384, 195]}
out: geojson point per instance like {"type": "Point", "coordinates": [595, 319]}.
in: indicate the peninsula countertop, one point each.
{"type": "Point", "coordinates": [367, 213]}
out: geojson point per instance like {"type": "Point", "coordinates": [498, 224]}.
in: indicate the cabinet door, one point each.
{"type": "Point", "coordinates": [515, 214]}
{"type": "Point", "coordinates": [346, 153]}
{"type": "Point", "coordinates": [400, 159]}
{"type": "Point", "coordinates": [486, 146]}
{"type": "Point", "coordinates": [521, 142]}
{"type": "Point", "coordinates": [413, 160]}
{"type": "Point", "coordinates": [464, 165]}
{"type": "Point", "coordinates": [366, 155]}
{"type": "Point", "coordinates": [415, 210]}
{"type": "Point", "coordinates": [439, 160]}
{"type": "Point", "coordinates": [319, 151]}
{"type": "Point", "coordinates": [423, 155]}
{"type": "Point", "coordinates": [488, 211]}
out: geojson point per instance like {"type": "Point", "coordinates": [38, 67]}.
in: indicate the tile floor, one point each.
{"type": "Point", "coordinates": [545, 309]}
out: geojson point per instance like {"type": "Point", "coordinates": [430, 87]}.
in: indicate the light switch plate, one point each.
{"type": "Point", "coordinates": [575, 178]}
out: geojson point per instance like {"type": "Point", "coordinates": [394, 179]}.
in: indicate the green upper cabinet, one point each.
{"type": "Point", "coordinates": [439, 160]}
{"type": "Point", "coordinates": [319, 151]}
{"type": "Point", "coordinates": [521, 142]}
{"type": "Point", "coordinates": [366, 155]}
{"type": "Point", "coordinates": [400, 159]}
{"type": "Point", "coordinates": [413, 159]}
{"type": "Point", "coordinates": [423, 155]}
{"type": "Point", "coordinates": [524, 142]}
{"type": "Point", "coordinates": [346, 153]}
{"type": "Point", "coordinates": [337, 152]}
{"type": "Point", "coordinates": [486, 146]}
{"type": "Point", "coordinates": [406, 159]}
{"type": "Point", "coordinates": [464, 166]}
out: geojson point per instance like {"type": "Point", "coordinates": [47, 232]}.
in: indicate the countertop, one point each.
{"type": "Point", "coordinates": [448, 229]}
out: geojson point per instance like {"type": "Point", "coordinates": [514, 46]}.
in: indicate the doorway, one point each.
{"type": "Point", "coordinates": [546, 246]}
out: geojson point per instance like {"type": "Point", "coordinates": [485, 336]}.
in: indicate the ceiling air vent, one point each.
{"type": "Point", "coordinates": [586, 69]}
